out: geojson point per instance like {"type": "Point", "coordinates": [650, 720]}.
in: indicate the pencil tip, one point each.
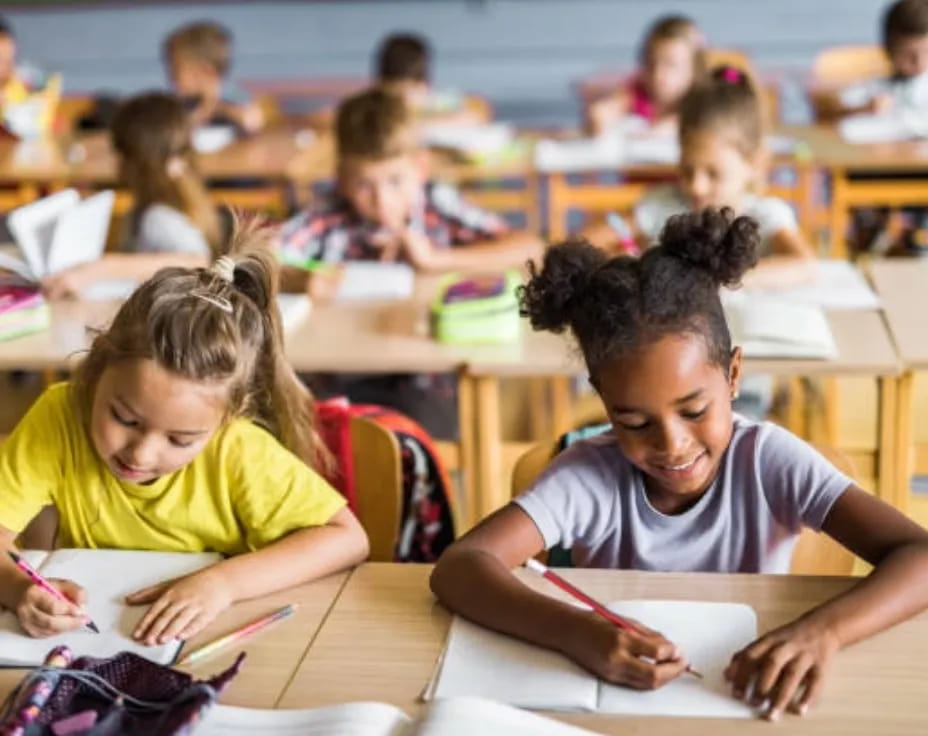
{"type": "Point", "coordinates": [695, 673]}
{"type": "Point", "coordinates": [93, 627]}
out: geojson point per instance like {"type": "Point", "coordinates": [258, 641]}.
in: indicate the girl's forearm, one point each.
{"type": "Point", "coordinates": [509, 251]}
{"type": "Point", "coordinates": [896, 590]}
{"type": "Point", "coordinates": [476, 585]}
{"type": "Point", "coordinates": [299, 557]}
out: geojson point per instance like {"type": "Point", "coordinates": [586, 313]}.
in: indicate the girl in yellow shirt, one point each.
{"type": "Point", "coordinates": [185, 430]}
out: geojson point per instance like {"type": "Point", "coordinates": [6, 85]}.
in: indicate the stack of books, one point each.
{"type": "Point", "coordinates": [22, 311]}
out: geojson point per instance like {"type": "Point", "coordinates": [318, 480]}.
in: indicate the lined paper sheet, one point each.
{"type": "Point", "coordinates": [708, 634]}
{"type": "Point", "coordinates": [108, 576]}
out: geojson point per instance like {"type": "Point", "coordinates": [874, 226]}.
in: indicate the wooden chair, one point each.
{"type": "Point", "coordinates": [379, 483]}
{"type": "Point", "coordinates": [815, 554]}
{"type": "Point", "coordinates": [841, 65]}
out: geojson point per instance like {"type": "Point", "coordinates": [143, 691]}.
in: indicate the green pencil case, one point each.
{"type": "Point", "coordinates": [477, 308]}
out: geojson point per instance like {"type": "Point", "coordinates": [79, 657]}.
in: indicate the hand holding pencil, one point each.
{"type": "Point", "coordinates": [616, 648]}
{"type": "Point", "coordinates": [50, 607]}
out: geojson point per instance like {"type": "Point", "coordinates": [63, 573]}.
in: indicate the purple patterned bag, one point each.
{"type": "Point", "coordinates": [124, 694]}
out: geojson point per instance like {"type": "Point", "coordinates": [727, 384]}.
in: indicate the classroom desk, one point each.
{"type": "Point", "coordinates": [273, 654]}
{"type": "Point", "coordinates": [89, 159]}
{"type": "Point", "coordinates": [903, 287]}
{"type": "Point", "coordinates": [382, 638]}
{"type": "Point", "coordinates": [864, 348]}
{"type": "Point", "coordinates": [843, 160]}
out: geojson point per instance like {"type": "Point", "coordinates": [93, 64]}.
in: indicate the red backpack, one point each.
{"type": "Point", "coordinates": [427, 523]}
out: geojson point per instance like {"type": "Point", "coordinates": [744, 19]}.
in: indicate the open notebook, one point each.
{"type": "Point", "coordinates": [838, 285]}
{"type": "Point", "coordinates": [775, 327]}
{"type": "Point", "coordinates": [56, 232]}
{"type": "Point", "coordinates": [452, 717]}
{"type": "Point", "coordinates": [482, 663]}
{"type": "Point", "coordinates": [108, 576]}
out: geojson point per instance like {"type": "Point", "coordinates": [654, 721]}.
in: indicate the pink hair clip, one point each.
{"type": "Point", "coordinates": [731, 75]}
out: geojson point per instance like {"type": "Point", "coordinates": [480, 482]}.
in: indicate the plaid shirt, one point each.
{"type": "Point", "coordinates": [334, 232]}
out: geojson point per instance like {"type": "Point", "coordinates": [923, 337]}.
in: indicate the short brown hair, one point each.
{"type": "Point", "coordinates": [904, 18]}
{"type": "Point", "coordinates": [204, 41]}
{"type": "Point", "coordinates": [728, 99]}
{"type": "Point", "coordinates": [403, 57]}
{"type": "Point", "coordinates": [676, 28]}
{"type": "Point", "coordinates": [376, 125]}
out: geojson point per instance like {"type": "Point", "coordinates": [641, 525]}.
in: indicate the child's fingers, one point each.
{"type": "Point", "coordinates": [653, 646]}
{"type": "Point", "coordinates": [47, 604]}
{"type": "Point", "coordinates": [40, 624]}
{"type": "Point", "coordinates": [146, 595]}
{"type": "Point", "coordinates": [177, 623]}
{"type": "Point", "coordinates": [744, 665]}
{"type": "Point", "coordinates": [194, 626]}
{"type": "Point", "coordinates": [150, 616]}
{"type": "Point", "coordinates": [815, 680]}
{"type": "Point", "coordinates": [644, 675]}
{"type": "Point", "coordinates": [71, 590]}
{"type": "Point", "coordinates": [791, 676]}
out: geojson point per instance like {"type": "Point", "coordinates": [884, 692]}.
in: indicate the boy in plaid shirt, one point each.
{"type": "Point", "coordinates": [386, 209]}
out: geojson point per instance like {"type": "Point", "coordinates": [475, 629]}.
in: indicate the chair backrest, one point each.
{"type": "Point", "coordinates": [378, 478]}
{"type": "Point", "coordinates": [815, 553]}
{"type": "Point", "coordinates": [842, 65]}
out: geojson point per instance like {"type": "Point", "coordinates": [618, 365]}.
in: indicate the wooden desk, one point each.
{"type": "Point", "coordinates": [843, 160]}
{"type": "Point", "coordinates": [273, 655]}
{"type": "Point", "coordinates": [903, 287]}
{"type": "Point", "coordinates": [864, 347]}
{"type": "Point", "coordinates": [382, 639]}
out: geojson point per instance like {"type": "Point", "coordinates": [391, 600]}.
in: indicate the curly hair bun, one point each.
{"type": "Point", "coordinates": [552, 296]}
{"type": "Point", "coordinates": [715, 241]}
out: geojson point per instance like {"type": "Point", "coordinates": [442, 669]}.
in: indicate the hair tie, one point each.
{"type": "Point", "coordinates": [217, 301]}
{"type": "Point", "coordinates": [224, 268]}
{"type": "Point", "coordinates": [731, 75]}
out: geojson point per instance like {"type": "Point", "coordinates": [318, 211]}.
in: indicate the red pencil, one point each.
{"type": "Point", "coordinates": [614, 618]}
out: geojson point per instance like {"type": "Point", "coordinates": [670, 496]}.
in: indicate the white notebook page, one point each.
{"type": "Point", "coordinates": [108, 576]}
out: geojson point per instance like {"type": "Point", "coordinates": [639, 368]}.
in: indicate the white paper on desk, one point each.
{"type": "Point", "coordinates": [581, 154]}
{"type": "Point", "coordinates": [469, 716]}
{"type": "Point", "coordinates": [356, 719]}
{"type": "Point", "coordinates": [482, 663]}
{"type": "Point", "coordinates": [111, 290]}
{"type": "Point", "coordinates": [838, 285]}
{"type": "Point", "coordinates": [375, 280]}
{"type": "Point", "coordinates": [294, 310]}
{"type": "Point", "coordinates": [212, 138]}
{"type": "Point", "coordinates": [468, 138]}
{"type": "Point", "coordinates": [901, 126]}
{"type": "Point", "coordinates": [652, 149]}
{"type": "Point", "coordinates": [708, 634]}
{"type": "Point", "coordinates": [774, 327]}
{"type": "Point", "coordinates": [108, 576]}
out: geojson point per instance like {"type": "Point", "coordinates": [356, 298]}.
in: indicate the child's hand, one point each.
{"type": "Point", "coordinates": [644, 661]}
{"type": "Point", "coordinates": [180, 608]}
{"type": "Point", "coordinates": [41, 614]}
{"type": "Point", "coordinates": [418, 248]}
{"type": "Point", "coordinates": [69, 283]}
{"type": "Point", "coordinates": [779, 664]}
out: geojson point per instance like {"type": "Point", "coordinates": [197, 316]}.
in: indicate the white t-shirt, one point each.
{"type": "Point", "coordinates": [660, 203]}
{"type": "Point", "coordinates": [770, 484]}
{"type": "Point", "coordinates": [907, 94]}
{"type": "Point", "coordinates": [163, 229]}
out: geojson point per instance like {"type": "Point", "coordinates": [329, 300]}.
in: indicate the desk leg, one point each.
{"type": "Point", "coordinates": [840, 217]}
{"type": "Point", "coordinates": [904, 441]}
{"type": "Point", "coordinates": [491, 492]}
{"type": "Point", "coordinates": [887, 448]}
{"type": "Point", "coordinates": [467, 428]}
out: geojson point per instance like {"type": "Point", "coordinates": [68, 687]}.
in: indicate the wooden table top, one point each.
{"type": "Point", "coordinates": [393, 336]}
{"type": "Point", "coordinates": [381, 641]}
{"type": "Point", "coordinates": [272, 656]}
{"type": "Point", "coordinates": [825, 147]}
{"type": "Point", "coordinates": [902, 284]}
{"type": "Point", "coordinates": [90, 159]}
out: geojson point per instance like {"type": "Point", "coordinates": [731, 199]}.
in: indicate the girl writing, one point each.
{"type": "Point", "coordinates": [680, 483]}
{"type": "Point", "coordinates": [723, 164]}
{"type": "Point", "coordinates": [172, 221]}
{"type": "Point", "coordinates": [672, 60]}
{"type": "Point", "coordinates": [183, 430]}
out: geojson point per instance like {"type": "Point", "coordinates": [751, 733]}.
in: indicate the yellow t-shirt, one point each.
{"type": "Point", "coordinates": [242, 492]}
